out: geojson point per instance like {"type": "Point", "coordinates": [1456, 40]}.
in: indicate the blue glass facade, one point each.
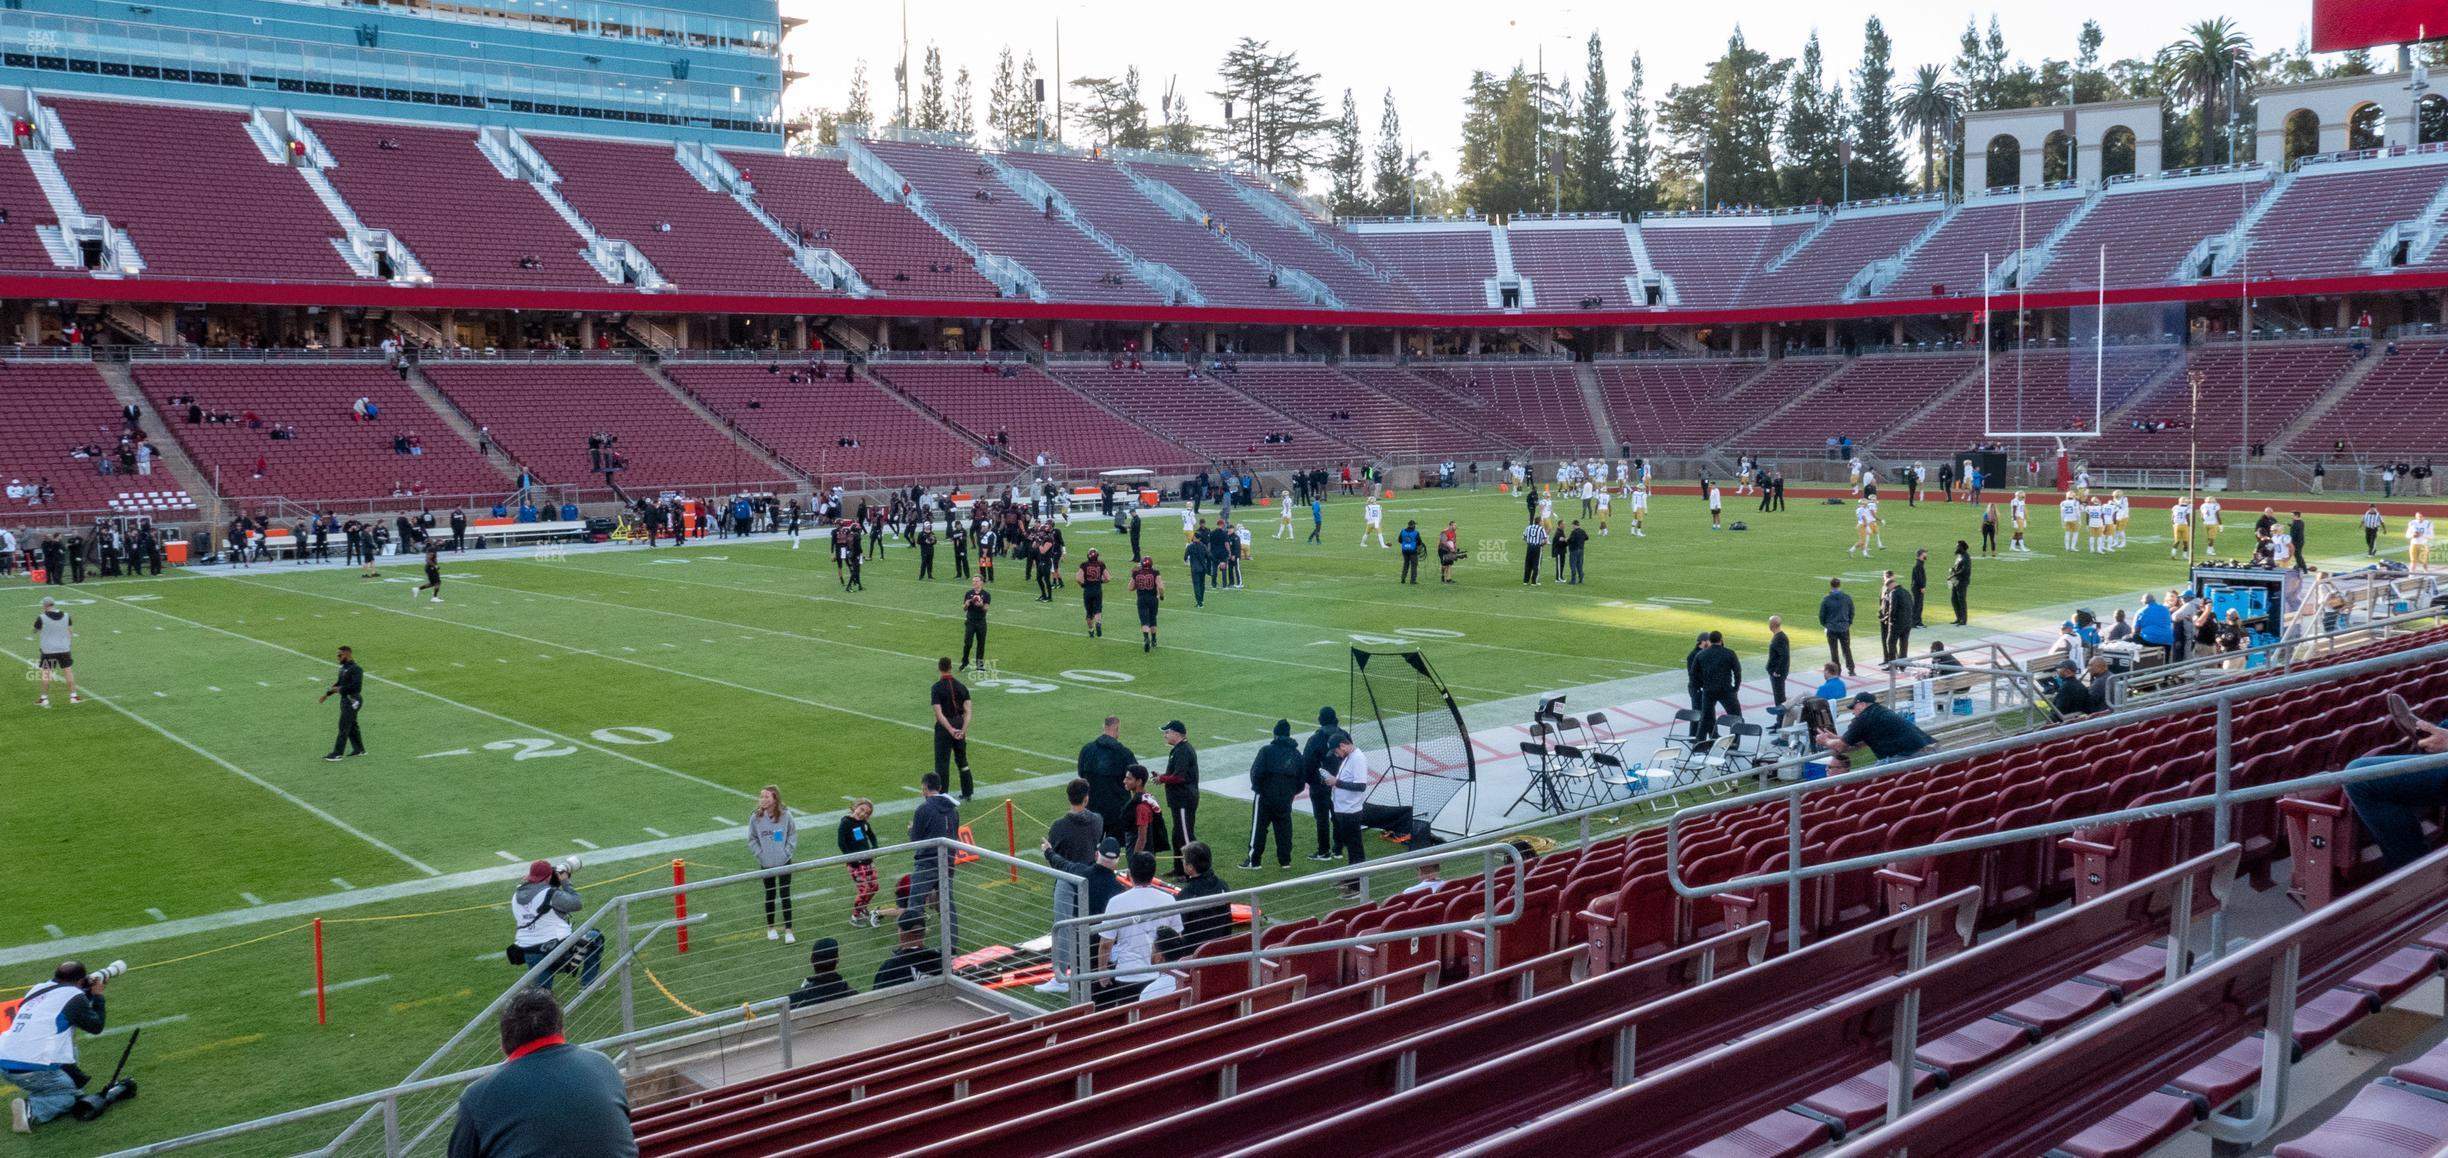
{"type": "Point", "coordinates": [707, 70]}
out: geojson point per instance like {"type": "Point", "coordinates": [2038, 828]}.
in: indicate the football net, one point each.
{"type": "Point", "coordinates": [1429, 763]}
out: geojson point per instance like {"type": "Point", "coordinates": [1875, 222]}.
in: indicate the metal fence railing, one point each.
{"type": "Point", "coordinates": [688, 980]}
{"type": "Point", "coordinates": [2222, 801]}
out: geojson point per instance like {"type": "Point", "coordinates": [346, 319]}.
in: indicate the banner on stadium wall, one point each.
{"type": "Point", "coordinates": [2339, 25]}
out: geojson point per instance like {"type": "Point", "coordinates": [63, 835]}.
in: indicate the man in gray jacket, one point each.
{"type": "Point", "coordinates": [1836, 618]}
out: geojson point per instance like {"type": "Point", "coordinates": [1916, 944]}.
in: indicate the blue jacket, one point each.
{"type": "Point", "coordinates": [2153, 625]}
{"type": "Point", "coordinates": [1409, 539]}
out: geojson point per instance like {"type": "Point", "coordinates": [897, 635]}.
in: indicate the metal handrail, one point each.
{"type": "Point", "coordinates": [2282, 654]}
{"type": "Point", "coordinates": [2221, 700]}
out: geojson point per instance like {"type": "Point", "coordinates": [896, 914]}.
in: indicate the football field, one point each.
{"type": "Point", "coordinates": [627, 704]}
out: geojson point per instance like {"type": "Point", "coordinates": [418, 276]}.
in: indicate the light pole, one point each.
{"type": "Point", "coordinates": [2193, 380]}
{"type": "Point", "coordinates": [2071, 139]}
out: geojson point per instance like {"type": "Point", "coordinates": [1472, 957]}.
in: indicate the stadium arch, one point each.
{"type": "Point", "coordinates": [2038, 131]}
{"type": "Point", "coordinates": [2335, 104]}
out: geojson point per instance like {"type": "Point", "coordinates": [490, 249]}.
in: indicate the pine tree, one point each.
{"type": "Point", "coordinates": [931, 115]}
{"type": "Point", "coordinates": [1814, 130]}
{"type": "Point", "coordinates": [1346, 162]}
{"type": "Point", "coordinates": [1111, 110]}
{"type": "Point", "coordinates": [964, 115]}
{"type": "Point", "coordinates": [1277, 113]}
{"type": "Point", "coordinates": [1393, 158]}
{"type": "Point", "coordinates": [1724, 129]}
{"type": "Point", "coordinates": [1596, 186]}
{"type": "Point", "coordinates": [1639, 174]}
{"type": "Point", "coordinates": [1179, 135]}
{"type": "Point", "coordinates": [1878, 155]}
{"type": "Point", "coordinates": [1004, 98]}
{"type": "Point", "coordinates": [855, 110]}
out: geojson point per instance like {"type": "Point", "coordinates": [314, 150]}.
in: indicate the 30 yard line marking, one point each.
{"type": "Point", "coordinates": [437, 697]}
{"type": "Point", "coordinates": [337, 986]}
{"type": "Point", "coordinates": [237, 771]}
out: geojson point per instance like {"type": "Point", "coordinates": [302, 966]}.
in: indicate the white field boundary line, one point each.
{"type": "Point", "coordinates": [216, 760]}
{"type": "Point", "coordinates": [501, 877]}
{"type": "Point", "coordinates": [1108, 689]}
{"type": "Point", "coordinates": [437, 697]}
{"type": "Point", "coordinates": [593, 654]}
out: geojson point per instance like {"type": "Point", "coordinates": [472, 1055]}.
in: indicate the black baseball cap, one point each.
{"type": "Point", "coordinates": [1175, 727]}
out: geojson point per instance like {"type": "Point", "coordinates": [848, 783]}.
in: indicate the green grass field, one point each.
{"type": "Point", "coordinates": [611, 700]}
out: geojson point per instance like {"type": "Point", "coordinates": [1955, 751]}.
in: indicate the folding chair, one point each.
{"type": "Point", "coordinates": [1689, 721]}
{"type": "Point", "coordinates": [1540, 792]}
{"type": "Point", "coordinates": [1603, 736]}
{"type": "Point", "coordinates": [1741, 732]}
{"type": "Point", "coordinates": [1614, 781]}
{"type": "Point", "coordinates": [1576, 781]}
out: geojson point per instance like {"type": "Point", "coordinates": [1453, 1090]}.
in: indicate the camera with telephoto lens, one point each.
{"type": "Point", "coordinates": [105, 973]}
{"type": "Point", "coordinates": [570, 865]}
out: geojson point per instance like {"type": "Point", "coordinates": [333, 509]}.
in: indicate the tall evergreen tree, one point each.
{"type": "Point", "coordinates": [1004, 100]}
{"type": "Point", "coordinates": [1724, 129]}
{"type": "Point", "coordinates": [931, 114]}
{"type": "Point", "coordinates": [1878, 155]}
{"type": "Point", "coordinates": [1110, 110]}
{"type": "Point", "coordinates": [1638, 177]}
{"type": "Point", "coordinates": [1500, 173]}
{"type": "Point", "coordinates": [1347, 162]}
{"type": "Point", "coordinates": [855, 110]}
{"type": "Point", "coordinates": [964, 113]}
{"type": "Point", "coordinates": [1980, 67]}
{"type": "Point", "coordinates": [1178, 135]}
{"type": "Point", "coordinates": [1596, 185]}
{"type": "Point", "coordinates": [1814, 134]}
{"type": "Point", "coordinates": [1393, 159]}
{"type": "Point", "coordinates": [1278, 114]}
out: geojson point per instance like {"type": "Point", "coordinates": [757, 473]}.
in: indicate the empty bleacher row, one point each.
{"type": "Point", "coordinates": [840, 428]}
{"type": "Point", "coordinates": [1614, 1016]}
{"type": "Point", "coordinates": [334, 455]}
{"type": "Point", "coordinates": [237, 215]}
{"type": "Point", "coordinates": [542, 414]}
{"type": "Point", "coordinates": [2394, 410]}
{"type": "Point", "coordinates": [1871, 394]}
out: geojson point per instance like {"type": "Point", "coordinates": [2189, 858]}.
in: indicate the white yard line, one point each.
{"type": "Point", "coordinates": [575, 650]}
{"type": "Point", "coordinates": [352, 897]}
{"type": "Point", "coordinates": [535, 729]}
{"type": "Point", "coordinates": [337, 986]}
{"type": "Point", "coordinates": [242, 773]}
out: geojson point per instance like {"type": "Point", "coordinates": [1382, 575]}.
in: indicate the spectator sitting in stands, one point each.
{"type": "Point", "coordinates": [530, 262]}
{"type": "Point", "coordinates": [16, 491]}
{"type": "Point", "coordinates": [2071, 698]}
{"type": "Point", "coordinates": [824, 981]}
{"type": "Point", "coordinates": [1887, 734]}
{"type": "Point", "coordinates": [387, 145]}
{"type": "Point", "coordinates": [416, 446]}
{"type": "Point", "coordinates": [1429, 881]}
{"type": "Point", "coordinates": [2392, 808]}
{"type": "Point", "coordinates": [259, 466]}
{"type": "Point", "coordinates": [910, 956]}
{"type": "Point", "coordinates": [254, 421]}
{"type": "Point", "coordinates": [399, 444]}
{"type": "Point", "coordinates": [662, 226]}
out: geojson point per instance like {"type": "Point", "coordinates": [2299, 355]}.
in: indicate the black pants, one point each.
{"type": "Point", "coordinates": [1410, 567]}
{"type": "Point", "coordinates": [1530, 562]}
{"type": "Point", "coordinates": [1351, 828]}
{"type": "Point", "coordinates": [1776, 688]}
{"type": "Point", "coordinates": [960, 564]}
{"type": "Point", "coordinates": [349, 738]}
{"type": "Point", "coordinates": [1321, 804]}
{"type": "Point", "coordinates": [778, 885]}
{"type": "Point", "coordinates": [2371, 540]}
{"type": "Point", "coordinates": [1045, 583]}
{"type": "Point", "coordinates": [1271, 816]}
{"type": "Point", "coordinates": [926, 562]}
{"type": "Point", "coordinates": [458, 540]}
{"type": "Point", "coordinates": [950, 752]}
{"type": "Point", "coordinates": [1989, 538]}
{"type": "Point", "coordinates": [1840, 649]}
{"type": "Point", "coordinates": [1919, 603]}
{"type": "Point", "coordinates": [1198, 587]}
{"type": "Point", "coordinates": [1709, 705]}
{"type": "Point", "coordinates": [1961, 597]}
{"type": "Point", "coordinates": [1896, 642]}
{"type": "Point", "coordinates": [1185, 830]}
{"type": "Point", "coordinates": [973, 631]}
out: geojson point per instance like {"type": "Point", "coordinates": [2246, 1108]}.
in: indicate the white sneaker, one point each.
{"type": "Point", "coordinates": [75, 698]}
{"type": "Point", "coordinates": [789, 938]}
{"type": "Point", "coordinates": [42, 701]}
{"type": "Point", "coordinates": [437, 599]}
{"type": "Point", "coordinates": [1042, 987]}
{"type": "Point", "coordinates": [771, 934]}
{"type": "Point", "coordinates": [21, 1119]}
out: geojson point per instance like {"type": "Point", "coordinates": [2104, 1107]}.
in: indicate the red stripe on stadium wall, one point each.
{"type": "Point", "coordinates": [386, 296]}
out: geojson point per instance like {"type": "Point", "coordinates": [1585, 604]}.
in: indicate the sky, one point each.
{"type": "Point", "coordinates": [1425, 52]}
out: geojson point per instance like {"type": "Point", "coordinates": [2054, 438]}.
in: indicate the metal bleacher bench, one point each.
{"type": "Point", "coordinates": [488, 533]}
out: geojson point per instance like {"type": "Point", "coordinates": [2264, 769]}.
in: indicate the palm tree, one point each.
{"type": "Point", "coordinates": [2199, 68]}
{"type": "Point", "coordinates": [1929, 105]}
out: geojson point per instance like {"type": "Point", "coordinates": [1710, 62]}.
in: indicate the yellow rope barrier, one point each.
{"type": "Point", "coordinates": [667, 993]}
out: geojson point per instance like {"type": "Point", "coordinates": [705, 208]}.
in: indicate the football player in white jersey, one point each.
{"type": "Point", "coordinates": [2210, 525]}
{"type": "Point", "coordinates": [1372, 519]}
{"type": "Point", "coordinates": [1606, 501]}
{"type": "Point", "coordinates": [2070, 515]}
{"type": "Point", "coordinates": [2019, 514]}
{"type": "Point", "coordinates": [1640, 510]}
{"type": "Point", "coordinates": [1862, 518]}
{"type": "Point", "coordinates": [2180, 525]}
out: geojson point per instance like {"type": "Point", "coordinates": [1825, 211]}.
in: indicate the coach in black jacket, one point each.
{"type": "Point", "coordinates": [1318, 757]}
{"type": "Point", "coordinates": [1276, 776]}
{"type": "Point", "coordinates": [1780, 658]}
{"type": "Point", "coordinates": [1720, 676]}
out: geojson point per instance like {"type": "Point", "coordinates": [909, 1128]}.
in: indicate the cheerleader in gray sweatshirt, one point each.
{"type": "Point", "coordinates": [773, 837]}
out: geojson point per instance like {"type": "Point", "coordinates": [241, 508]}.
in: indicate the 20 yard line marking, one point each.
{"type": "Point", "coordinates": [173, 1019]}
{"type": "Point", "coordinates": [239, 772]}
{"type": "Point", "coordinates": [437, 697]}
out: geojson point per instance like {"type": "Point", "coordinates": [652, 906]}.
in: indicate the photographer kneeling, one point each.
{"type": "Point", "coordinates": [541, 909]}
{"type": "Point", "coordinates": [38, 1049]}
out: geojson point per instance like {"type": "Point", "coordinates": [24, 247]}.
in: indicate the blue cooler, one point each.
{"type": "Point", "coordinates": [1815, 770]}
